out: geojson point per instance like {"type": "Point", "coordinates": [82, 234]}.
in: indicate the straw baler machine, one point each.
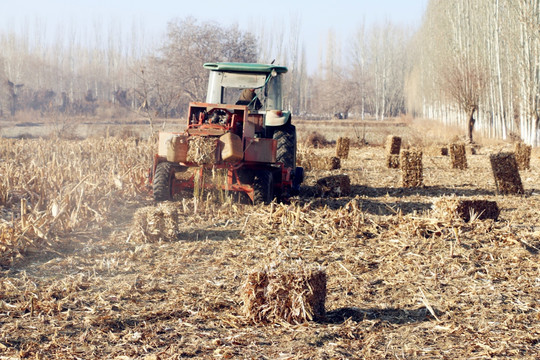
{"type": "Point", "coordinates": [251, 143]}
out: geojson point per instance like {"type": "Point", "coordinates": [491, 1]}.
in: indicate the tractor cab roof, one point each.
{"type": "Point", "coordinates": [245, 67]}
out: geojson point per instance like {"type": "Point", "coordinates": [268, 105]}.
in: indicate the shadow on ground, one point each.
{"type": "Point", "coordinates": [377, 207]}
{"type": "Point", "coordinates": [391, 315]}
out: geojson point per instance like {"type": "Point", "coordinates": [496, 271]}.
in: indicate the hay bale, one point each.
{"type": "Point", "coordinates": [316, 140]}
{"type": "Point", "coordinates": [523, 155]}
{"type": "Point", "coordinates": [392, 161]}
{"type": "Point", "coordinates": [393, 145]}
{"type": "Point", "coordinates": [334, 186]}
{"type": "Point", "coordinates": [452, 208]}
{"type": "Point", "coordinates": [506, 174]}
{"type": "Point", "coordinates": [325, 163]}
{"type": "Point", "coordinates": [155, 223]}
{"type": "Point", "coordinates": [332, 163]}
{"type": "Point", "coordinates": [458, 156]}
{"type": "Point", "coordinates": [294, 293]}
{"type": "Point", "coordinates": [312, 162]}
{"type": "Point", "coordinates": [342, 147]}
{"type": "Point", "coordinates": [411, 168]}
{"type": "Point", "coordinates": [202, 150]}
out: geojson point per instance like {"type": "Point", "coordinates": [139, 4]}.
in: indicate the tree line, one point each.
{"type": "Point", "coordinates": [470, 63]}
{"type": "Point", "coordinates": [478, 66]}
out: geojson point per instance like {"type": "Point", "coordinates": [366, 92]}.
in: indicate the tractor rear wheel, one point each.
{"type": "Point", "coordinates": [162, 183]}
{"type": "Point", "coordinates": [263, 187]}
{"type": "Point", "coordinates": [286, 145]}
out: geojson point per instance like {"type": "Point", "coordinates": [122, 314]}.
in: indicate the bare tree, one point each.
{"type": "Point", "coordinates": [488, 52]}
{"type": "Point", "coordinates": [464, 83]}
{"type": "Point", "coordinates": [179, 74]}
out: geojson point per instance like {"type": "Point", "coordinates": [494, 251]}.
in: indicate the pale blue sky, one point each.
{"type": "Point", "coordinates": [316, 18]}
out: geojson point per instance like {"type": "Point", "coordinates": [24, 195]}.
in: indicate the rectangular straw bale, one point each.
{"type": "Point", "coordinates": [444, 151]}
{"type": "Point", "coordinates": [342, 147]}
{"type": "Point", "coordinates": [311, 162]}
{"type": "Point", "coordinates": [292, 293]}
{"type": "Point", "coordinates": [411, 168]}
{"type": "Point", "coordinates": [202, 150]}
{"type": "Point", "coordinates": [523, 155]}
{"type": "Point", "coordinates": [393, 145]}
{"type": "Point", "coordinates": [458, 156]}
{"type": "Point", "coordinates": [392, 161]}
{"type": "Point", "coordinates": [155, 223]}
{"type": "Point", "coordinates": [484, 209]}
{"type": "Point", "coordinates": [451, 208]}
{"type": "Point", "coordinates": [506, 174]}
{"type": "Point", "coordinates": [325, 163]}
{"type": "Point", "coordinates": [334, 186]}
{"type": "Point", "coordinates": [333, 163]}
{"type": "Point", "coordinates": [471, 149]}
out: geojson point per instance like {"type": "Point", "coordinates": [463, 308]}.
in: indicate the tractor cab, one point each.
{"type": "Point", "coordinates": [229, 81]}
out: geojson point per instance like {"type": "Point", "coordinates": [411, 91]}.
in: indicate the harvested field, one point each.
{"type": "Point", "coordinates": [93, 269]}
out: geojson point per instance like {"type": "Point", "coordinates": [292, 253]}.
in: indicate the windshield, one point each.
{"type": "Point", "coordinates": [227, 88]}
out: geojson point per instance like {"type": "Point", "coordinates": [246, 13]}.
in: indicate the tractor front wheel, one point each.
{"type": "Point", "coordinates": [162, 183]}
{"type": "Point", "coordinates": [263, 187]}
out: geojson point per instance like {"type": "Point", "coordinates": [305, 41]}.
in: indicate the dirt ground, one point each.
{"type": "Point", "coordinates": [404, 281]}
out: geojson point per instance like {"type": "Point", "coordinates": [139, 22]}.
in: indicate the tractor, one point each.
{"type": "Point", "coordinates": [241, 132]}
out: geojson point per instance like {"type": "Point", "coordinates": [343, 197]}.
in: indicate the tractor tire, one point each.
{"type": "Point", "coordinates": [263, 187]}
{"type": "Point", "coordinates": [162, 183]}
{"type": "Point", "coordinates": [286, 145]}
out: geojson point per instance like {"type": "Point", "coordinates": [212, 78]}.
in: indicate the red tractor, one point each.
{"type": "Point", "coordinates": [240, 131]}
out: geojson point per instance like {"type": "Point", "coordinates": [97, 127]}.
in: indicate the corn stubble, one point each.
{"type": "Point", "coordinates": [53, 187]}
{"type": "Point", "coordinates": [376, 273]}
